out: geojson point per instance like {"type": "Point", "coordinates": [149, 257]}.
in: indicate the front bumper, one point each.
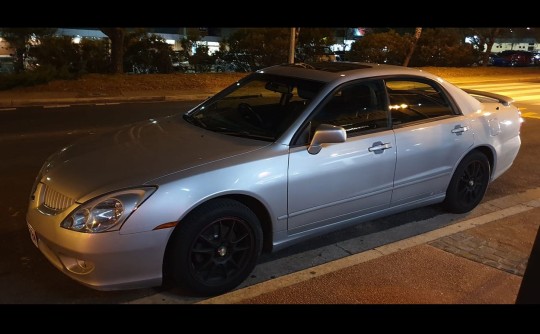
{"type": "Point", "coordinates": [103, 261]}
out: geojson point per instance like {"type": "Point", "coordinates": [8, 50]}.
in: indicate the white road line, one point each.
{"type": "Point", "coordinates": [2, 109]}
{"type": "Point", "coordinates": [526, 98]}
{"type": "Point", "coordinates": [106, 103]}
{"type": "Point", "coordinates": [516, 92]}
{"type": "Point", "coordinates": [530, 115]}
{"type": "Point", "coordinates": [519, 92]}
{"type": "Point", "coordinates": [495, 85]}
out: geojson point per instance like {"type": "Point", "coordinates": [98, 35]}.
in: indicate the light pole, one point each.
{"type": "Point", "coordinates": [291, 45]}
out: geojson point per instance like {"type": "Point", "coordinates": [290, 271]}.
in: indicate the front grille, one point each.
{"type": "Point", "coordinates": [55, 201]}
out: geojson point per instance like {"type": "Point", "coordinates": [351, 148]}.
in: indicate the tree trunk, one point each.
{"type": "Point", "coordinates": [19, 60]}
{"type": "Point", "coordinates": [116, 35]}
{"type": "Point", "coordinates": [490, 40]}
{"type": "Point", "coordinates": [417, 34]}
{"type": "Point", "coordinates": [485, 56]}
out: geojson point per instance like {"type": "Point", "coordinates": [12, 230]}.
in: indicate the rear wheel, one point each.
{"type": "Point", "coordinates": [215, 248]}
{"type": "Point", "coordinates": [468, 184]}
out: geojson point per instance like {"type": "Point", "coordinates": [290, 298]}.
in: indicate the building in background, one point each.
{"type": "Point", "coordinates": [518, 44]}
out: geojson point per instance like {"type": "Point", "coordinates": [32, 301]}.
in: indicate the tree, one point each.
{"type": "Point", "coordinates": [310, 40]}
{"type": "Point", "coordinates": [485, 38]}
{"type": "Point", "coordinates": [315, 37]}
{"type": "Point", "coordinates": [95, 55]}
{"type": "Point", "coordinates": [443, 47]}
{"type": "Point", "coordinates": [269, 46]}
{"type": "Point", "coordinates": [21, 39]}
{"type": "Point", "coordinates": [417, 34]}
{"type": "Point", "coordinates": [58, 52]}
{"type": "Point", "coordinates": [191, 36]}
{"type": "Point", "coordinates": [116, 36]}
{"type": "Point", "coordinates": [382, 48]}
{"type": "Point", "coordinates": [147, 53]}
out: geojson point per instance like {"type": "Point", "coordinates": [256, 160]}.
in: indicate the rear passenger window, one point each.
{"type": "Point", "coordinates": [412, 100]}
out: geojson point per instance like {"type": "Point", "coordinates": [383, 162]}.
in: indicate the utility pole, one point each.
{"type": "Point", "coordinates": [291, 45]}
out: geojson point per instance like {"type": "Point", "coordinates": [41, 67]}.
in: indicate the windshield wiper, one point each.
{"type": "Point", "coordinates": [244, 134]}
{"type": "Point", "coordinates": [194, 120]}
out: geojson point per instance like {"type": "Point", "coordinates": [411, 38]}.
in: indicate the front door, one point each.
{"type": "Point", "coordinates": [344, 180]}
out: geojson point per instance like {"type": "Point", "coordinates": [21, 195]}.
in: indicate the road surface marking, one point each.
{"type": "Point", "coordinates": [530, 115]}
{"type": "Point", "coordinates": [2, 109]}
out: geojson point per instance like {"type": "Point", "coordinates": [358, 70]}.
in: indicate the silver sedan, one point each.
{"type": "Point", "coordinates": [287, 153]}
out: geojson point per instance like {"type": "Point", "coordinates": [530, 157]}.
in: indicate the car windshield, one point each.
{"type": "Point", "coordinates": [261, 106]}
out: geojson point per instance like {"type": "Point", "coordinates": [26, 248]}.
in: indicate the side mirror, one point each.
{"type": "Point", "coordinates": [324, 134]}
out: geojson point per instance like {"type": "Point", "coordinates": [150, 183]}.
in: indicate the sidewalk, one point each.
{"type": "Point", "coordinates": [479, 260]}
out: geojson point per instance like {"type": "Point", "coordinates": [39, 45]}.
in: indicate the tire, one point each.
{"type": "Point", "coordinates": [468, 184]}
{"type": "Point", "coordinates": [215, 248]}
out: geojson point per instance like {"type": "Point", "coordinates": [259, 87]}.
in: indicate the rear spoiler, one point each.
{"type": "Point", "coordinates": [504, 100]}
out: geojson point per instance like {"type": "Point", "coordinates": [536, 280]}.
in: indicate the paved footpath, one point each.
{"type": "Point", "coordinates": [483, 264]}
{"type": "Point", "coordinates": [477, 258]}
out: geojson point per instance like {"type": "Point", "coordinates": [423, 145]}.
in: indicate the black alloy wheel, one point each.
{"type": "Point", "coordinates": [468, 184]}
{"type": "Point", "coordinates": [215, 247]}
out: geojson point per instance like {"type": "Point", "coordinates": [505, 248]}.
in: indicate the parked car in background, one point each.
{"type": "Point", "coordinates": [536, 56]}
{"type": "Point", "coordinates": [496, 60]}
{"type": "Point", "coordinates": [287, 153]}
{"type": "Point", "coordinates": [513, 58]}
{"type": "Point", "coordinates": [6, 64]}
{"type": "Point", "coordinates": [180, 63]}
{"type": "Point", "coordinates": [341, 55]}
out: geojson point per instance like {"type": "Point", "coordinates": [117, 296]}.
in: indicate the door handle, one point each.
{"type": "Point", "coordinates": [459, 129]}
{"type": "Point", "coordinates": [378, 147]}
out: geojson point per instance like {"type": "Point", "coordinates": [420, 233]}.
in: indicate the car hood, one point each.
{"type": "Point", "coordinates": [136, 155]}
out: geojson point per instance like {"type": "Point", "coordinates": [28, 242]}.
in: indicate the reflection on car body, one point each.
{"type": "Point", "coordinates": [285, 154]}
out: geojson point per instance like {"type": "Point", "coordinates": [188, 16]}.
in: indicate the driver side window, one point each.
{"type": "Point", "coordinates": [357, 107]}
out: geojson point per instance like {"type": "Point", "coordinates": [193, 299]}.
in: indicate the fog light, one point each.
{"type": "Point", "coordinates": [76, 266]}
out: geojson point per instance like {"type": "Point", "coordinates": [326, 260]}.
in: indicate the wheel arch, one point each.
{"type": "Point", "coordinates": [489, 153]}
{"type": "Point", "coordinates": [261, 212]}
{"type": "Point", "coordinates": [254, 205]}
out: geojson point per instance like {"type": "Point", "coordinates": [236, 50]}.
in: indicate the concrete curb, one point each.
{"type": "Point", "coordinates": [21, 102]}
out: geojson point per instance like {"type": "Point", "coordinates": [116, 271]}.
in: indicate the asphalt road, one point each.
{"type": "Point", "coordinates": [29, 135]}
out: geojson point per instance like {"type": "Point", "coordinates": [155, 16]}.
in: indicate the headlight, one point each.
{"type": "Point", "coordinates": [106, 213]}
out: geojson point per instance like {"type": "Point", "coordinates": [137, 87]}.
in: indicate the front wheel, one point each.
{"type": "Point", "coordinates": [468, 184]}
{"type": "Point", "coordinates": [215, 248]}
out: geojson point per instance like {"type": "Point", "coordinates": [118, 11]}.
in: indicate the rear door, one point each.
{"type": "Point", "coordinates": [431, 137]}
